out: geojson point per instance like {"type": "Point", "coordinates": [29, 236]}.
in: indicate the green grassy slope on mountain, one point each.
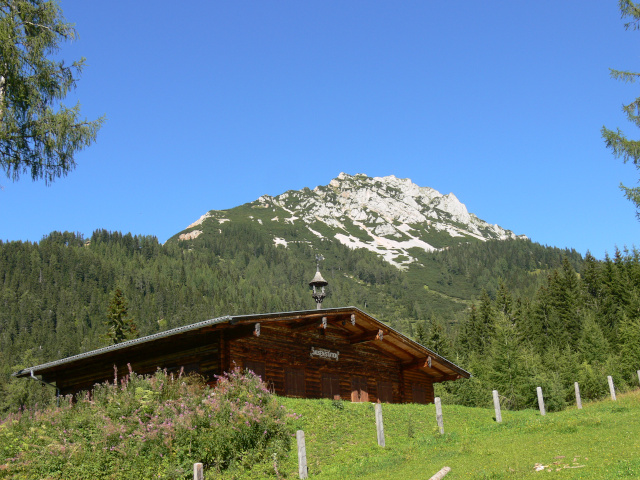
{"type": "Point", "coordinates": [443, 283]}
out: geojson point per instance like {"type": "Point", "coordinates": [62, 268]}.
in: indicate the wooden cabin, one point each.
{"type": "Point", "coordinates": [324, 353]}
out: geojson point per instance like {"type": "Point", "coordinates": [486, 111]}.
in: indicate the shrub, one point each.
{"type": "Point", "coordinates": [149, 427]}
{"type": "Point", "coordinates": [593, 381]}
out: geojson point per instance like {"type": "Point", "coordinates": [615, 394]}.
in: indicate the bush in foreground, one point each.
{"type": "Point", "coordinates": [149, 427]}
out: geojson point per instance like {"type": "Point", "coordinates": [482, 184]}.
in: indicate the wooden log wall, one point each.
{"type": "Point", "coordinates": [416, 378]}
{"type": "Point", "coordinates": [281, 348]}
{"type": "Point", "coordinates": [369, 366]}
{"type": "Point", "coordinates": [197, 353]}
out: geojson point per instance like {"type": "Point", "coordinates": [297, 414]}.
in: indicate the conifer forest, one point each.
{"type": "Point", "coordinates": [514, 313]}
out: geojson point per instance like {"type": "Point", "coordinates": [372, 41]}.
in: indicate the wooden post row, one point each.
{"type": "Point", "coordinates": [379, 424]}
{"type": "Point", "coordinates": [198, 474]}
{"type": "Point", "coordinates": [496, 406]}
{"type": "Point", "coordinates": [302, 455]}
{"type": "Point", "coordinates": [439, 415]}
{"type": "Point", "coordinates": [578, 400]}
{"type": "Point", "coordinates": [611, 388]}
{"type": "Point", "coordinates": [541, 401]}
{"type": "Point", "coordinates": [440, 475]}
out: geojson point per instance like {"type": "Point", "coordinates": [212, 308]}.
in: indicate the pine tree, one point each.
{"type": "Point", "coordinates": [120, 326]}
{"type": "Point", "coordinates": [485, 327]}
{"type": "Point", "coordinates": [591, 282]}
{"type": "Point", "coordinates": [468, 340]}
{"type": "Point", "coordinates": [421, 334]}
{"type": "Point", "coordinates": [566, 302]}
{"type": "Point", "coordinates": [38, 136]}
{"type": "Point", "coordinates": [593, 345]}
{"type": "Point", "coordinates": [622, 147]}
{"type": "Point", "coordinates": [436, 338]}
{"type": "Point", "coordinates": [629, 345]}
{"type": "Point", "coordinates": [504, 301]}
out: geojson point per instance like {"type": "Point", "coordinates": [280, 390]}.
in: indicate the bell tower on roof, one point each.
{"type": "Point", "coordinates": [317, 284]}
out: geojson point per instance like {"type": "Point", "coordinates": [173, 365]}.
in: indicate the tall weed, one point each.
{"type": "Point", "coordinates": [149, 427]}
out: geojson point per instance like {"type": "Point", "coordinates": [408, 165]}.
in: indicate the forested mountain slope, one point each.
{"type": "Point", "coordinates": [573, 328]}
{"type": "Point", "coordinates": [408, 255]}
{"type": "Point", "coordinates": [54, 294]}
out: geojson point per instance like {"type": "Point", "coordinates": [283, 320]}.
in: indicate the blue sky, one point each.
{"type": "Point", "coordinates": [211, 104]}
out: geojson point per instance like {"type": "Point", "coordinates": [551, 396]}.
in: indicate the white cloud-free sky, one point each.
{"type": "Point", "coordinates": [211, 104]}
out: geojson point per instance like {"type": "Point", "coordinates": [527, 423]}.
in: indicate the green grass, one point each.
{"type": "Point", "coordinates": [602, 440]}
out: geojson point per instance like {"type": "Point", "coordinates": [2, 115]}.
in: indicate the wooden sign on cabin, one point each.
{"type": "Point", "coordinates": [324, 353]}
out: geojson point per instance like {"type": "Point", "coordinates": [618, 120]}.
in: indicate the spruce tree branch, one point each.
{"type": "Point", "coordinates": [624, 75]}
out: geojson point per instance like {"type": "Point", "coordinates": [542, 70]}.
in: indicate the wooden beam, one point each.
{"type": "Point", "coordinates": [240, 331]}
{"type": "Point", "coordinates": [446, 378]}
{"type": "Point", "coordinates": [424, 363]}
{"type": "Point", "coordinates": [383, 348]}
{"type": "Point", "coordinates": [367, 336]}
{"type": "Point", "coordinates": [321, 323]}
{"type": "Point", "coordinates": [304, 325]}
{"type": "Point", "coordinates": [415, 364]}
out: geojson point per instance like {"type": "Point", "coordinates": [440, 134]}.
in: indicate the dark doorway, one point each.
{"type": "Point", "coordinates": [330, 385]}
{"type": "Point", "coordinates": [359, 389]}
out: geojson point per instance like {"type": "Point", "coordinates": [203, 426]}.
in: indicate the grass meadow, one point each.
{"type": "Point", "coordinates": [601, 441]}
{"type": "Point", "coordinates": [158, 427]}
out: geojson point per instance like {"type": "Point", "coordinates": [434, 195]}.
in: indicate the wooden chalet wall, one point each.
{"type": "Point", "coordinates": [197, 351]}
{"type": "Point", "coordinates": [283, 347]}
{"type": "Point", "coordinates": [355, 357]}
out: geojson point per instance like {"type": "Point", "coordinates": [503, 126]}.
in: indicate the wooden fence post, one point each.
{"type": "Point", "coordinates": [541, 401]}
{"type": "Point", "coordinates": [496, 405]}
{"type": "Point", "coordinates": [197, 472]}
{"type": "Point", "coordinates": [379, 424]}
{"type": "Point", "coordinates": [611, 388]}
{"type": "Point", "coordinates": [302, 455]}
{"type": "Point", "coordinates": [439, 415]}
{"type": "Point", "coordinates": [578, 400]}
{"type": "Point", "coordinates": [638, 375]}
{"type": "Point", "coordinates": [440, 475]}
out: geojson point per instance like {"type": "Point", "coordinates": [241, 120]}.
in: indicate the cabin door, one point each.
{"type": "Point", "coordinates": [385, 392]}
{"type": "Point", "coordinates": [419, 393]}
{"type": "Point", "coordinates": [294, 382]}
{"type": "Point", "coordinates": [330, 386]}
{"type": "Point", "coordinates": [359, 389]}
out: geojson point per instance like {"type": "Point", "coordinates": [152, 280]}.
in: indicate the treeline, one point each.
{"type": "Point", "coordinates": [576, 328]}
{"type": "Point", "coordinates": [55, 294]}
{"type": "Point", "coordinates": [464, 272]}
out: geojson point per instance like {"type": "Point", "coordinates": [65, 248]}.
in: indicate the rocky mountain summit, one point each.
{"type": "Point", "coordinates": [393, 217]}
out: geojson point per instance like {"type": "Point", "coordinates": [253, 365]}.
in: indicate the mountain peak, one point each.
{"type": "Point", "coordinates": [388, 215]}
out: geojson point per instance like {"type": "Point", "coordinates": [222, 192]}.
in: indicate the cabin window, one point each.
{"type": "Point", "coordinates": [256, 367]}
{"type": "Point", "coordinates": [294, 382]}
{"type": "Point", "coordinates": [419, 393]}
{"type": "Point", "coordinates": [330, 385]}
{"type": "Point", "coordinates": [359, 389]}
{"type": "Point", "coordinates": [385, 392]}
